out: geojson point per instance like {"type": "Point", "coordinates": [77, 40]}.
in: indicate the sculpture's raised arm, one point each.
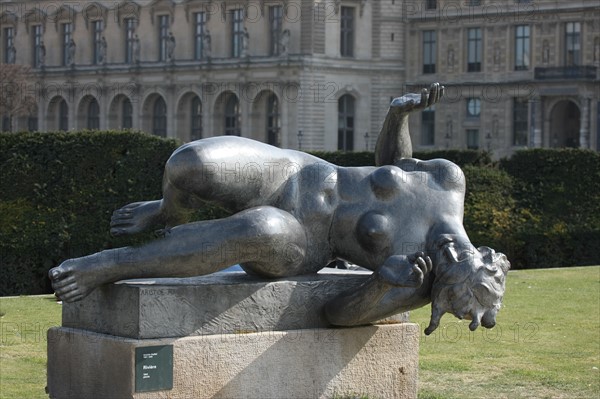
{"type": "Point", "coordinates": [394, 141]}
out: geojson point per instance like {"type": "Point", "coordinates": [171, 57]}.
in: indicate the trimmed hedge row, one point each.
{"type": "Point", "coordinates": [58, 191]}
{"type": "Point", "coordinates": [560, 191]}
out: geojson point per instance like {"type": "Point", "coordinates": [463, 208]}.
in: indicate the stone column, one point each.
{"type": "Point", "coordinates": [73, 115]}
{"type": "Point", "coordinates": [584, 127]}
{"type": "Point", "coordinates": [536, 127]}
{"type": "Point", "coordinates": [245, 110]}
{"type": "Point", "coordinates": [104, 103]}
{"type": "Point", "coordinates": [42, 110]}
{"type": "Point", "coordinates": [284, 122]}
{"type": "Point", "coordinates": [171, 109]}
{"type": "Point", "coordinates": [136, 105]}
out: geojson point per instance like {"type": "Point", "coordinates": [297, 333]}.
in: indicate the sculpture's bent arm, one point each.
{"type": "Point", "coordinates": [394, 141]}
{"type": "Point", "coordinates": [400, 284]}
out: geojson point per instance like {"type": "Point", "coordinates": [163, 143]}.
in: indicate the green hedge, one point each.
{"type": "Point", "coordinates": [58, 191]}
{"type": "Point", "coordinates": [560, 190]}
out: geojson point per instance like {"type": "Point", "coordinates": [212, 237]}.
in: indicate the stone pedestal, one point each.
{"type": "Point", "coordinates": [226, 336]}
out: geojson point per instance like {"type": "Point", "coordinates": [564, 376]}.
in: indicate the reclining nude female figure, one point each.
{"type": "Point", "coordinates": [293, 213]}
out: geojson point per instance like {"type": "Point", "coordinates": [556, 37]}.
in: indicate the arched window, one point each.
{"type": "Point", "coordinates": [196, 119]}
{"type": "Point", "coordinates": [63, 116]}
{"type": "Point", "coordinates": [126, 114]}
{"type": "Point", "coordinates": [159, 118]}
{"type": "Point", "coordinates": [273, 125]}
{"type": "Point", "coordinates": [93, 115]}
{"type": "Point", "coordinates": [232, 116]}
{"type": "Point", "coordinates": [346, 123]}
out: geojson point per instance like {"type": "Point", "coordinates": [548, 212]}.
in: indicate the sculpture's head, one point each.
{"type": "Point", "coordinates": [469, 283]}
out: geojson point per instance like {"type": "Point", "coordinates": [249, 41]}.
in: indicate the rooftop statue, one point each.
{"type": "Point", "coordinates": [293, 213]}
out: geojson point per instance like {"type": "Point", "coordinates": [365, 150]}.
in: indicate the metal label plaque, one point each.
{"type": "Point", "coordinates": [154, 368]}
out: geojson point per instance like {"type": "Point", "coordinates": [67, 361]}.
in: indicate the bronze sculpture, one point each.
{"type": "Point", "coordinates": [294, 213]}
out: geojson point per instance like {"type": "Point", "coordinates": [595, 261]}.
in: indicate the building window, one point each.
{"type": "Point", "coordinates": [473, 139]}
{"type": "Point", "coordinates": [573, 43]}
{"type": "Point", "coordinates": [196, 119]}
{"type": "Point", "coordinates": [159, 118]}
{"type": "Point", "coordinates": [9, 45]}
{"type": "Point", "coordinates": [97, 30]}
{"type": "Point", "coordinates": [473, 3]}
{"type": "Point", "coordinates": [93, 115]}
{"type": "Point", "coordinates": [237, 32]}
{"type": "Point", "coordinates": [474, 50]}
{"type": "Point", "coordinates": [163, 37]}
{"type": "Point", "coordinates": [129, 39]}
{"type": "Point", "coordinates": [126, 114]}
{"type": "Point", "coordinates": [346, 123]}
{"type": "Point", "coordinates": [232, 116]}
{"type": "Point", "coordinates": [520, 117]}
{"type": "Point", "coordinates": [428, 126]}
{"type": "Point", "coordinates": [199, 29]}
{"type": "Point", "coordinates": [521, 47]}
{"type": "Point", "coordinates": [6, 122]}
{"type": "Point", "coordinates": [37, 46]}
{"type": "Point", "coordinates": [430, 4]}
{"type": "Point", "coordinates": [273, 126]}
{"type": "Point", "coordinates": [63, 116]}
{"type": "Point", "coordinates": [67, 35]}
{"type": "Point", "coordinates": [473, 107]}
{"type": "Point", "coordinates": [276, 18]}
{"type": "Point", "coordinates": [347, 32]}
{"type": "Point", "coordinates": [429, 51]}
{"type": "Point", "coordinates": [32, 124]}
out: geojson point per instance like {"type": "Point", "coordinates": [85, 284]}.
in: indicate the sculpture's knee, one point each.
{"type": "Point", "coordinates": [188, 167]}
{"type": "Point", "coordinates": [279, 242]}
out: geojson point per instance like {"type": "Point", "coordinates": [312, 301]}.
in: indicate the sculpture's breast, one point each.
{"type": "Point", "coordinates": [374, 232]}
{"type": "Point", "coordinates": [386, 182]}
{"type": "Point", "coordinates": [317, 194]}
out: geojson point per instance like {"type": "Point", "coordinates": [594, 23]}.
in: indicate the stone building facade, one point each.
{"type": "Point", "coordinates": [312, 74]}
{"type": "Point", "coordinates": [518, 73]}
{"type": "Point", "coordinates": [299, 74]}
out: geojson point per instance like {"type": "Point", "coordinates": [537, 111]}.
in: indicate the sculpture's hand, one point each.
{"type": "Point", "coordinates": [405, 271]}
{"type": "Point", "coordinates": [414, 101]}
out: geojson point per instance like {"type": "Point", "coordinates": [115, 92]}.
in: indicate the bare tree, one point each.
{"type": "Point", "coordinates": [16, 91]}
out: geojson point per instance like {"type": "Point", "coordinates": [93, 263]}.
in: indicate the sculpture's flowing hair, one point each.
{"type": "Point", "coordinates": [469, 290]}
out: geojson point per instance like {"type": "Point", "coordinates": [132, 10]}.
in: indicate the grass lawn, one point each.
{"type": "Point", "coordinates": [546, 343]}
{"type": "Point", "coordinates": [23, 329]}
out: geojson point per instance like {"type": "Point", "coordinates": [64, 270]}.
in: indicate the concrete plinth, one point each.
{"type": "Point", "coordinates": [378, 361]}
{"type": "Point", "coordinates": [227, 336]}
{"type": "Point", "coordinates": [221, 303]}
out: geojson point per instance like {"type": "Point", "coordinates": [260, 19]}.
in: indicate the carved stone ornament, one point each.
{"type": "Point", "coordinates": [65, 14]}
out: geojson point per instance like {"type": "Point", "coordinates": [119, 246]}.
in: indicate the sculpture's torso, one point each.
{"type": "Point", "coordinates": [373, 213]}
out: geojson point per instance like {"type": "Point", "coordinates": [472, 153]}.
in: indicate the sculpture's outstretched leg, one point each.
{"type": "Point", "coordinates": [268, 240]}
{"type": "Point", "coordinates": [233, 172]}
{"type": "Point", "coordinates": [170, 211]}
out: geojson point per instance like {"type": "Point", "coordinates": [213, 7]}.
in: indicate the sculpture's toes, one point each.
{"type": "Point", "coordinates": [134, 218]}
{"type": "Point", "coordinates": [122, 222]}
{"type": "Point", "coordinates": [64, 283]}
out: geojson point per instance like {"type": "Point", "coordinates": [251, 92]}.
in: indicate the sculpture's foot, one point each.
{"type": "Point", "coordinates": [75, 278]}
{"type": "Point", "coordinates": [135, 218]}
